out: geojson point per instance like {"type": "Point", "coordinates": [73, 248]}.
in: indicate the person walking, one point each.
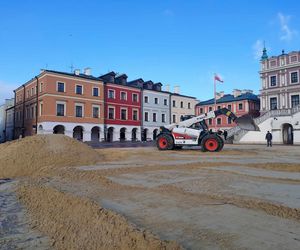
{"type": "Point", "coordinates": [225, 134]}
{"type": "Point", "coordinates": [269, 138]}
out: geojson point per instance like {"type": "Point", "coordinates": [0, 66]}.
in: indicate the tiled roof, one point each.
{"type": "Point", "coordinates": [230, 98]}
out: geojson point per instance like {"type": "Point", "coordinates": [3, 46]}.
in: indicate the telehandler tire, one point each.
{"type": "Point", "coordinates": [211, 143]}
{"type": "Point", "coordinates": [164, 142]}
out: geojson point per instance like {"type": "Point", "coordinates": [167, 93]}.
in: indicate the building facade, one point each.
{"type": "Point", "coordinates": [280, 90]}
{"type": "Point", "coordinates": [181, 105]}
{"type": "Point", "coordinates": [122, 109]}
{"type": "Point", "coordinates": [61, 103]}
{"type": "Point", "coordinates": [280, 81]}
{"type": "Point", "coordinates": [7, 120]}
{"type": "Point", "coordinates": [239, 102]}
{"type": "Point", "coordinates": [89, 108]}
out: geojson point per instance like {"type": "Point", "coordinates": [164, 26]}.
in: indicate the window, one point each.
{"type": "Point", "coordinates": [28, 93]}
{"type": "Point", "coordinates": [181, 104]}
{"type": "Point", "coordinates": [273, 103]}
{"type": "Point", "coordinates": [174, 118]}
{"type": "Point", "coordinates": [273, 81]}
{"type": "Point", "coordinates": [95, 91]}
{"type": "Point", "coordinates": [201, 110]}
{"type": "Point", "coordinates": [210, 109]}
{"type": "Point", "coordinates": [60, 109]}
{"type": "Point", "coordinates": [32, 91]}
{"type": "Point", "coordinates": [189, 105]}
{"type": "Point", "coordinates": [32, 112]}
{"type": "Point", "coordinates": [41, 109]}
{"type": "Point", "coordinates": [165, 102]}
{"type": "Point", "coordinates": [219, 121]}
{"type": "Point", "coordinates": [111, 113]}
{"type": "Point", "coordinates": [229, 106]}
{"type": "Point", "coordinates": [111, 94]}
{"type": "Point", "coordinates": [294, 77]}
{"type": "Point", "coordinates": [123, 96]}
{"type": "Point", "coordinates": [273, 63]}
{"type": "Point", "coordinates": [163, 117]}
{"type": "Point", "coordinates": [41, 87]}
{"type": "Point", "coordinates": [123, 114]}
{"type": "Point", "coordinates": [219, 107]}
{"type": "Point", "coordinates": [155, 100]}
{"type": "Point", "coordinates": [240, 106]}
{"type": "Point", "coordinates": [146, 117]}
{"type": "Point", "coordinates": [229, 120]}
{"type": "Point", "coordinates": [154, 117]}
{"type": "Point", "coordinates": [78, 90]}
{"type": "Point", "coordinates": [135, 97]}
{"type": "Point", "coordinates": [174, 103]}
{"type": "Point", "coordinates": [96, 112]}
{"type": "Point", "coordinates": [209, 121]}
{"type": "Point", "coordinates": [135, 115]}
{"type": "Point", "coordinates": [78, 110]}
{"type": "Point", "coordinates": [61, 87]}
{"type": "Point", "coordinates": [146, 99]}
{"type": "Point", "coordinates": [293, 59]}
{"type": "Point", "coordinates": [295, 100]}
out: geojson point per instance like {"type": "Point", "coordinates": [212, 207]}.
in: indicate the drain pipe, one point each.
{"type": "Point", "coordinates": [37, 106]}
{"type": "Point", "coordinates": [23, 116]}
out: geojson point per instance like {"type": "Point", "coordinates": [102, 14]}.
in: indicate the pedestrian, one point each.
{"type": "Point", "coordinates": [225, 134]}
{"type": "Point", "coordinates": [269, 138]}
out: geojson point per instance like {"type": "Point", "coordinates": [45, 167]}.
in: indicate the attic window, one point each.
{"type": "Point", "coordinates": [293, 59]}
{"type": "Point", "coordinates": [273, 63]}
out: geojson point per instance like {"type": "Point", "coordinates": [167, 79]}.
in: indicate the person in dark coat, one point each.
{"type": "Point", "coordinates": [225, 134]}
{"type": "Point", "coordinates": [269, 138]}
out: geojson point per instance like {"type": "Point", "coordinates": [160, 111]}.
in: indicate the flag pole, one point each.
{"type": "Point", "coordinates": [215, 95]}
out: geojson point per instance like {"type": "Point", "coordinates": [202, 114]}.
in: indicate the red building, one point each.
{"type": "Point", "coordinates": [122, 116]}
{"type": "Point", "coordinates": [240, 103]}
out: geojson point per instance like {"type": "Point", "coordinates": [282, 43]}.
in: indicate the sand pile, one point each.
{"type": "Point", "coordinates": [79, 223]}
{"type": "Point", "coordinates": [40, 153]}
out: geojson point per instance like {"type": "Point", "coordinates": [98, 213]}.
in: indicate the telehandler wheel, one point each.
{"type": "Point", "coordinates": [211, 143]}
{"type": "Point", "coordinates": [164, 142]}
{"type": "Point", "coordinates": [221, 144]}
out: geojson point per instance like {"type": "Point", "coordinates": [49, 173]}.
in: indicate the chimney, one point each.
{"type": "Point", "coordinates": [41, 71]}
{"type": "Point", "coordinates": [245, 91]}
{"type": "Point", "coordinates": [221, 94]}
{"type": "Point", "coordinates": [77, 72]}
{"type": "Point", "coordinates": [167, 88]}
{"type": "Point", "coordinates": [218, 95]}
{"type": "Point", "coordinates": [87, 71]}
{"type": "Point", "coordinates": [177, 89]}
{"type": "Point", "coordinates": [236, 92]}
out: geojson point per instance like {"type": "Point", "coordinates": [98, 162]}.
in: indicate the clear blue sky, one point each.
{"type": "Point", "coordinates": [176, 42]}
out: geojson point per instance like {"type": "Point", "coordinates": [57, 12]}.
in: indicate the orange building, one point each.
{"type": "Point", "coordinates": [63, 103]}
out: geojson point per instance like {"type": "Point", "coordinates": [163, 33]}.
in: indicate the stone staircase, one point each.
{"type": "Point", "coordinates": [238, 133]}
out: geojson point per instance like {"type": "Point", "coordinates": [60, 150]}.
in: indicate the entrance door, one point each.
{"type": "Point", "coordinates": [287, 134]}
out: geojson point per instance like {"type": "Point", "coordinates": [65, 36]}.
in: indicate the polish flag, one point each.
{"type": "Point", "coordinates": [217, 78]}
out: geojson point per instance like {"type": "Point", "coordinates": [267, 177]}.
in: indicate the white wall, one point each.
{"type": "Point", "coordinates": [275, 127]}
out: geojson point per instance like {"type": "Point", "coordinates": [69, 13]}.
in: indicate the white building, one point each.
{"type": "Point", "coordinates": [7, 120]}
{"type": "Point", "coordinates": [156, 112]}
{"type": "Point", "coordinates": [280, 110]}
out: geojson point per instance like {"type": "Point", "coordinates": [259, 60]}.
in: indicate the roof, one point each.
{"type": "Point", "coordinates": [83, 76]}
{"type": "Point", "coordinates": [73, 74]}
{"type": "Point", "coordinates": [230, 98]}
{"type": "Point", "coordinates": [183, 95]}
